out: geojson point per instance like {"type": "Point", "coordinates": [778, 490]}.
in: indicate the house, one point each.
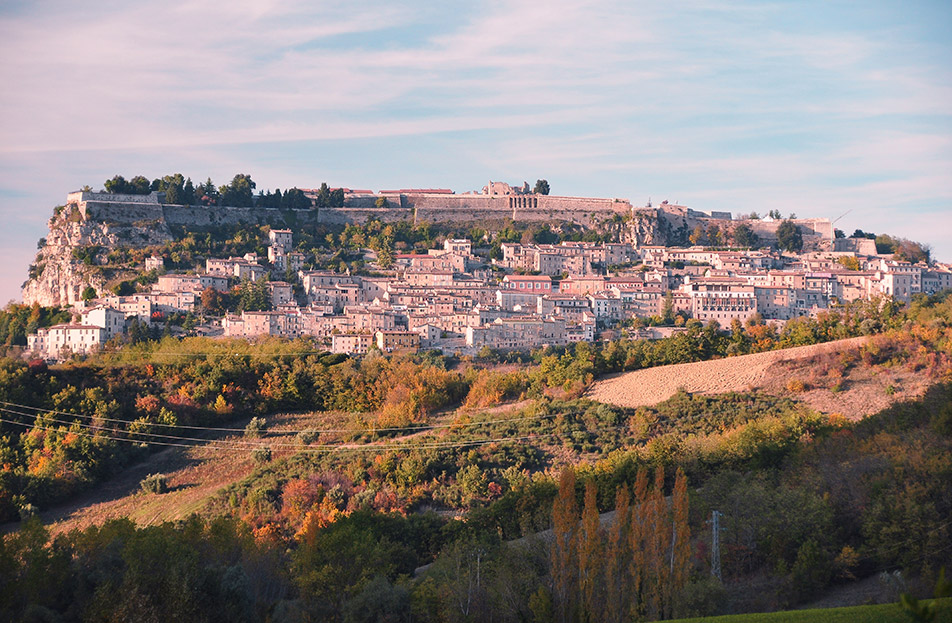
{"type": "Point", "coordinates": [390, 341]}
{"type": "Point", "coordinates": [351, 343]}
{"type": "Point", "coordinates": [59, 341]}
{"type": "Point", "coordinates": [112, 321]}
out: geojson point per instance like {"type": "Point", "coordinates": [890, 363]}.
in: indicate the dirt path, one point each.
{"type": "Point", "coordinates": [653, 385]}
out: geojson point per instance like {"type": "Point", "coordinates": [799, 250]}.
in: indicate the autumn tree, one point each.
{"type": "Point", "coordinates": [565, 526]}
{"type": "Point", "coordinates": [617, 555]}
{"type": "Point", "coordinates": [590, 556]}
{"type": "Point", "coordinates": [637, 538]}
{"type": "Point", "coordinates": [680, 558]}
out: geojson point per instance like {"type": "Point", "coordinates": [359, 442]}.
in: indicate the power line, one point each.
{"type": "Point", "coordinates": [418, 428]}
{"type": "Point", "coordinates": [244, 446]}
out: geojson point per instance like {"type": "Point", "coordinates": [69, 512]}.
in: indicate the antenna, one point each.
{"type": "Point", "coordinates": [715, 522]}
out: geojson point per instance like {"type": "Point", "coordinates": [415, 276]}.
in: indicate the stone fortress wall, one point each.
{"type": "Point", "coordinates": [419, 206]}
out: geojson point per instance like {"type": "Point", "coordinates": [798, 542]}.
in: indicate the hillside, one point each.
{"type": "Point", "coordinates": [368, 481]}
{"type": "Point", "coordinates": [802, 372]}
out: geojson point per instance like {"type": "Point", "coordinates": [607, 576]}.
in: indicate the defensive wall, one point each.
{"type": "Point", "coordinates": [130, 209]}
{"type": "Point", "coordinates": [442, 208]}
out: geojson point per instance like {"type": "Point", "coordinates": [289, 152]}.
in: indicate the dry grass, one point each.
{"type": "Point", "coordinates": [733, 374]}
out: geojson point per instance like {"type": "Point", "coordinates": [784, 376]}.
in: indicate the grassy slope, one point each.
{"type": "Point", "coordinates": [884, 613]}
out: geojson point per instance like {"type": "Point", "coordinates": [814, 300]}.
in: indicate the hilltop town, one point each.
{"type": "Point", "coordinates": [645, 274]}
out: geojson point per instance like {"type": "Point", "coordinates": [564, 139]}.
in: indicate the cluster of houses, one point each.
{"type": "Point", "coordinates": [534, 295]}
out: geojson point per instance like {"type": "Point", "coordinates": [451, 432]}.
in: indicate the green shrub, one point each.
{"type": "Point", "coordinates": [308, 436]}
{"type": "Point", "coordinates": [155, 483]}
{"type": "Point", "coordinates": [261, 455]}
{"type": "Point", "coordinates": [255, 427]}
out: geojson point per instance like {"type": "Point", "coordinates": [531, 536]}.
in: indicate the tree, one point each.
{"type": "Point", "coordinates": [564, 553]}
{"type": "Point", "coordinates": [323, 196]}
{"type": "Point", "coordinates": [336, 199]}
{"type": "Point", "coordinates": [697, 236]}
{"type": "Point", "coordinates": [140, 185]}
{"type": "Point", "coordinates": [239, 192]}
{"type": "Point", "coordinates": [294, 199]}
{"type": "Point", "coordinates": [188, 193]}
{"type": "Point", "coordinates": [590, 555]}
{"type": "Point", "coordinates": [744, 236]}
{"type": "Point", "coordinates": [88, 294]}
{"type": "Point", "coordinates": [680, 537]}
{"type": "Point", "coordinates": [174, 188]}
{"type": "Point", "coordinates": [789, 237]}
{"type": "Point", "coordinates": [208, 193]}
{"type": "Point", "coordinates": [850, 262]}
{"type": "Point", "coordinates": [117, 185]}
{"type": "Point", "coordinates": [253, 296]}
{"type": "Point", "coordinates": [213, 301]}
{"type": "Point", "coordinates": [381, 203]}
{"type": "Point", "coordinates": [617, 555]}
{"type": "Point", "coordinates": [541, 187]}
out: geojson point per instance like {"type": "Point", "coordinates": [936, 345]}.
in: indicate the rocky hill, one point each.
{"type": "Point", "coordinates": [76, 253]}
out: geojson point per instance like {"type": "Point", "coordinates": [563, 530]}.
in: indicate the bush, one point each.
{"type": "Point", "coordinates": [255, 427]}
{"type": "Point", "coordinates": [308, 436]}
{"type": "Point", "coordinates": [701, 598]}
{"type": "Point", "coordinates": [155, 483]}
{"type": "Point", "coordinates": [28, 510]}
{"type": "Point", "coordinates": [796, 386]}
{"type": "Point", "coordinates": [261, 455]}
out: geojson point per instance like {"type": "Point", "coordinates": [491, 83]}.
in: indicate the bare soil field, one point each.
{"type": "Point", "coordinates": [642, 388]}
{"type": "Point", "coordinates": [803, 373]}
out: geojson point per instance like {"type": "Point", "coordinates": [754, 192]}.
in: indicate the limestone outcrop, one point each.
{"type": "Point", "coordinates": [75, 253]}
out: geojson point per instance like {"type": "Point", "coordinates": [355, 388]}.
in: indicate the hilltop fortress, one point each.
{"type": "Point", "coordinates": [91, 224]}
{"type": "Point", "coordinates": [495, 204]}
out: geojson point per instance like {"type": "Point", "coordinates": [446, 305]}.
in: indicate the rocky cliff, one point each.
{"type": "Point", "coordinates": [75, 253]}
{"type": "Point", "coordinates": [84, 232]}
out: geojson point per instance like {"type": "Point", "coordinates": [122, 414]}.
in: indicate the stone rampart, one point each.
{"type": "Point", "coordinates": [122, 213]}
{"type": "Point", "coordinates": [359, 215]}
{"type": "Point", "coordinates": [85, 195]}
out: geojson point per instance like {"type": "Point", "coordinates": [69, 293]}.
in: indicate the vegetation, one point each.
{"type": "Point", "coordinates": [789, 237]}
{"type": "Point", "coordinates": [808, 500]}
{"type": "Point", "coordinates": [18, 320]}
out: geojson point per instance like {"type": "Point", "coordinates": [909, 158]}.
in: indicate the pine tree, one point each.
{"type": "Point", "coordinates": [565, 526]}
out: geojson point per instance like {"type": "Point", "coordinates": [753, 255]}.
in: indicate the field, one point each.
{"type": "Point", "coordinates": [860, 392]}
{"type": "Point", "coordinates": [884, 613]}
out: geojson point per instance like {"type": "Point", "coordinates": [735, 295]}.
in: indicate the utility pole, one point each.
{"type": "Point", "coordinates": [715, 522]}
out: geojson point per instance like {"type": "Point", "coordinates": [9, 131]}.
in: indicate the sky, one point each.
{"type": "Point", "coordinates": [823, 109]}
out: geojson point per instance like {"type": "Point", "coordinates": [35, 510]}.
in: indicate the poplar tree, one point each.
{"type": "Point", "coordinates": [565, 526]}
{"type": "Point", "coordinates": [590, 555]}
{"type": "Point", "coordinates": [637, 540]}
{"type": "Point", "coordinates": [680, 538]}
{"type": "Point", "coordinates": [661, 541]}
{"type": "Point", "coordinates": [617, 556]}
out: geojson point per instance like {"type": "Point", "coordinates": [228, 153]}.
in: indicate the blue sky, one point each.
{"type": "Point", "coordinates": [817, 108]}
